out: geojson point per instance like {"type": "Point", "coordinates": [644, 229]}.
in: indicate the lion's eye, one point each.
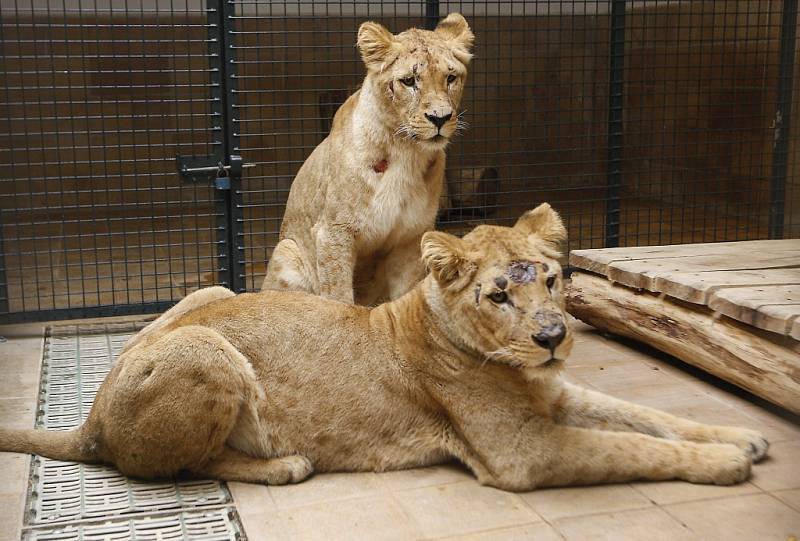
{"type": "Point", "coordinates": [498, 297]}
{"type": "Point", "coordinates": [551, 281]}
{"type": "Point", "coordinates": [408, 81]}
{"type": "Point", "coordinates": [451, 78]}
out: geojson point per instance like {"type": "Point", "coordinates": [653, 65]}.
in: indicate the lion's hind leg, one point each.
{"type": "Point", "coordinates": [590, 409]}
{"type": "Point", "coordinates": [233, 465]}
{"type": "Point", "coordinates": [175, 402]}
{"type": "Point", "coordinates": [287, 269]}
{"type": "Point", "coordinates": [187, 304]}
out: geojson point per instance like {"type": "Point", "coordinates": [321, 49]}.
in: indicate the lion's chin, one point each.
{"type": "Point", "coordinates": [545, 369]}
{"type": "Point", "coordinates": [436, 142]}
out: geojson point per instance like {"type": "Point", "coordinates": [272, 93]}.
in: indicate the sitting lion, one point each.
{"type": "Point", "coordinates": [361, 201]}
{"type": "Point", "coordinates": [268, 387]}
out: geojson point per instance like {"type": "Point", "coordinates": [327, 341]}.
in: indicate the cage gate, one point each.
{"type": "Point", "coordinates": [129, 129]}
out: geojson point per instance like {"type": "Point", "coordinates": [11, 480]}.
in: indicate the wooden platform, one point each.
{"type": "Point", "coordinates": [731, 308]}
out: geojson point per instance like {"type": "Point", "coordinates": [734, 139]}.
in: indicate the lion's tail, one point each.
{"type": "Point", "coordinates": [57, 445]}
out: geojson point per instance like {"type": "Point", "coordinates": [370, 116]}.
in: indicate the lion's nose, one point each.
{"type": "Point", "coordinates": [550, 336]}
{"type": "Point", "coordinates": [438, 121]}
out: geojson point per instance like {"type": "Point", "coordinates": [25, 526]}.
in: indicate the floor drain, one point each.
{"type": "Point", "coordinates": [216, 524]}
{"type": "Point", "coordinates": [85, 501]}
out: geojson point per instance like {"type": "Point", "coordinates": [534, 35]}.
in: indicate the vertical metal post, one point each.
{"type": "Point", "coordinates": [783, 117]}
{"type": "Point", "coordinates": [616, 67]}
{"type": "Point", "coordinates": [431, 14]}
{"type": "Point", "coordinates": [3, 282]}
{"type": "Point", "coordinates": [230, 221]}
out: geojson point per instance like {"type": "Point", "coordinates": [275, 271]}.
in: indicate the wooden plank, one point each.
{"type": "Point", "coordinates": [697, 287]}
{"type": "Point", "coordinates": [752, 359]}
{"type": "Point", "coordinates": [597, 260]}
{"type": "Point", "coordinates": [772, 308]}
{"type": "Point", "coordinates": [644, 273]}
{"type": "Point", "coordinates": [795, 329]}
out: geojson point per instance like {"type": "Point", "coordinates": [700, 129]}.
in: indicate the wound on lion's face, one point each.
{"type": "Point", "coordinates": [522, 272]}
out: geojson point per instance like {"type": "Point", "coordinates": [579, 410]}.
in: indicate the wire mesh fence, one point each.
{"type": "Point", "coordinates": [96, 102]}
{"type": "Point", "coordinates": [649, 122]}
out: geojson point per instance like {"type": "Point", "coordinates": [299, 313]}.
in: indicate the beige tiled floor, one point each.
{"type": "Point", "coordinates": [445, 502]}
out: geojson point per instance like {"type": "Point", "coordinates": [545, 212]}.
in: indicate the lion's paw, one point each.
{"type": "Point", "coordinates": [289, 469]}
{"type": "Point", "coordinates": [721, 464]}
{"type": "Point", "coordinates": [750, 441]}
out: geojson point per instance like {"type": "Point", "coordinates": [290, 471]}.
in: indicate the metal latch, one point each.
{"type": "Point", "coordinates": [191, 166]}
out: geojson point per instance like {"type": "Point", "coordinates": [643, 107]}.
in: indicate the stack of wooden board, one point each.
{"type": "Point", "coordinates": [730, 308]}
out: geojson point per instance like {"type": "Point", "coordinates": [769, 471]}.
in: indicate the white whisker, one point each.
{"type": "Point", "coordinates": [502, 354]}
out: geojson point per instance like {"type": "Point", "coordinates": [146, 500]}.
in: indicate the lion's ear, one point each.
{"type": "Point", "coordinates": [375, 43]}
{"type": "Point", "coordinates": [543, 224]}
{"type": "Point", "coordinates": [445, 257]}
{"type": "Point", "coordinates": [454, 28]}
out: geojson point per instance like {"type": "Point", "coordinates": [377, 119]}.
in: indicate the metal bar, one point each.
{"type": "Point", "coordinates": [216, 33]}
{"type": "Point", "coordinates": [616, 67]}
{"type": "Point", "coordinates": [782, 121]}
{"type": "Point", "coordinates": [213, 169]}
{"type": "Point", "coordinates": [235, 213]}
{"type": "Point", "coordinates": [3, 282]}
{"type": "Point", "coordinates": [431, 14]}
{"type": "Point", "coordinates": [87, 312]}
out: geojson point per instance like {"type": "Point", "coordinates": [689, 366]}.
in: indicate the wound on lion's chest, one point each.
{"type": "Point", "coordinates": [522, 272]}
{"type": "Point", "coordinates": [380, 166]}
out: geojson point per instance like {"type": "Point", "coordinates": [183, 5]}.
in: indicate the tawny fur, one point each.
{"type": "Point", "coordinates": [268, 387]}
{"type": "Point", "coordinates": [351, 232]}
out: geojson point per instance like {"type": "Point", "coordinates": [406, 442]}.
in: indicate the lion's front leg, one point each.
{"type": "Point", "coordinates": [559, 456]}
{"type": "Point", "coordinates": [336, 258]}
{"type": "Point", "coordinates": [577, 456]}
{"type": "Point", "coordinates": [589, 409]}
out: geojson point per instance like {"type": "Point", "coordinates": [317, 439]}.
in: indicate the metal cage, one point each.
{"type": "Point", "coordinates": [148, 148]}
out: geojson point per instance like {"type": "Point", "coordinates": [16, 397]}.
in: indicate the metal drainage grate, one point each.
{"type": "Point", "coordinates": [211, 525]}
{"type": "Point", "coordinates": [89, 501]}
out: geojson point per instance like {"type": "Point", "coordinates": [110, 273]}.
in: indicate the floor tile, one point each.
{"type": "Point", "coordinates": [529, 532]}
{"type": "Point", "coordinates": [370, 519]}
{"type": "Point", "coordinates": [17, 412]}
{"type": "Point", "coordinates": [20, 378]}
{"type": "Point", "coordinates": [14, 470]}
{"type": "Point", "coordinates": [251, 497]}
{"type": "Point", "coordinates": [423, 477]}
{"type": "Point", "coordinates": [259, 515]}
{"type": "Point", "coordinates": [651, 524]}
{"type": "Point", "coordinates": [666, 492]}
{"type": "Point", "coordinates": [668, 395]}
{"type": "Point", "coordinates": [326, 487]}
{"type": "Point", "coordinates": [789, 497]}
{"type": "Point", "coordinates": [775, 427]}
{"type": "Point", "coordinates": [592, 353]}
{"type": "Point", "coordinates": [625, 374]}
{"type": "Point", "coordinates": [757, 516]}
{"type": "Point", "coordinates": [264, 525]}
{"type": "Point", "coordinates": [781, 469]}
{"type": "Point", "coordinates": [461, 508]}
{"type": "Point", "coordinates": [557, 503]}
{"type": "Point", "coordinates": [11, 510]}
{"type": "Point", "coordinates": [706, 410]}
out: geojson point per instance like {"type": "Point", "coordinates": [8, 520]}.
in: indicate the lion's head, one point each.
{"type": "Point", "coordinates": [420, 76]}
{"type": "Point", "coordinates": [500, 293]}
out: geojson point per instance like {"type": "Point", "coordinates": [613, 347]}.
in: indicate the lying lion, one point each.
{"type": "Point", "coordinates": [268, 387]}
{"type": "Point", "coordinates": [362, 200]}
